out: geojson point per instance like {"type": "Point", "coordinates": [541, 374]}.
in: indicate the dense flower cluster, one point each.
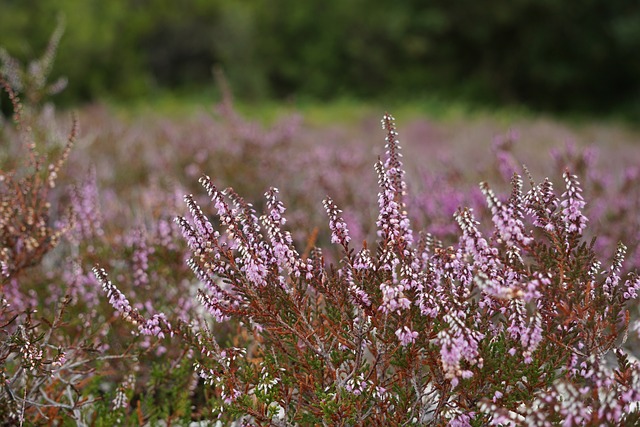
{"type": "Point", "coordinates": [485, 325]}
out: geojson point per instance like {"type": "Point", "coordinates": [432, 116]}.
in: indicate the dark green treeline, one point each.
{"type": "Point", "coordinates": [547, 54]}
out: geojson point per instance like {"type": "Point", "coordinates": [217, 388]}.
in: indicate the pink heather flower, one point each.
{"type": "Point", "coordinates": [88, 218]}
{"type": "Point", "coordinates": [120, 303]}
{"type": "Point", "coordinates": [281, 242]}
{"type": "Point", "coordinates": [116, 298]}
{"type": "Point", "coordinates": [531, 292]}
{"type": "Point", "coordinates": [4, 269]}
{"type": "Point", "coordinates": [60, 359]}
{"type": "Point", "coordinates": [243, 229]}
{"type": "Point", "coordinates": [502, 145]}
{"type": "Point", "coordinates": [356, 385]}
{"type": "Point", "coordinates": [393, 164]}
{"type": "Point", "coordinates": [490, 271]}
{"type": "Point", "coordinates": [255, 270]}
{"type": "Point", "coordinates": [393, 298]}
{"type": "Point", "coordinates": [572, 205]}
{"type": "Point", "coordinates": [202, 223]}
{"type": "Point", "coordinates": [31, 354]}
{"type": "Point", "coordinates": [380, 393]}
{"type": "Point", "coordinates": [359, 295]}
{"type": "Point", "coordinates": [153, 326]}
{"type": "Point", "coordinates": [193, 239]}
{"type": "Point", "coordinates": [499, 419]}
{"type": "Point", "coordinates": [508, 218]}
{"type": "Point", "coordinates": [541, 204]}
{"type": "Point", "coordinates": [165, 233]}
{"type": "Point", "coordinates": [462, 420]}
{"type": "Point", "coordinates": [245, 216]}
{"type": "Point", "coordinates": [457, 344]}
{"type": "Point", "coordinates": [339, 231]}
{"type": "Point", "coordinates": [527, 331]}
{"type": "Point", "coordinates": [393, 223]}
{"type": "Point", "coordinates": [612, 281]}
{"type": "Point", "coordinates": [120, 401]}
{"type": "Point", "coordinates": [406, 336]}
{"type": "Point", "coordinates": [631, 288]}
{"type": "Point", "coordinates": [140, 258]}
{"type": "Point", "coordinates": [363, 260]}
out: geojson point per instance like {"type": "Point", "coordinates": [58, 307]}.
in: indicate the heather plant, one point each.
{"type": "Point", "coordinates": [30, 166]}
{"type": "Point", "coordinates": [50, 355]}
{"type": "Point", "coordinates": [40, 366]}
{"type": "Point", "coordinates": [26, 230]}
{"type": "Point", "coordinates": [154, 239]}
{"type": "Point", "coordinates": [31, 362]}
{"type": "Point", "coordinates": [33, 80]}
{"type": "Point", "coordinates": [615, 196]}
{"type": "Point", "coordinates": [511, 327]}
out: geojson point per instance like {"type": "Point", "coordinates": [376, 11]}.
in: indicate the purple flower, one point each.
{"type": "Point", "coordinates": [202, 223]}
{"type": "Point", "coordinates": [508, 218]}
{"type": "Point", "coordinates": [140, 258]}
{"type": "Point", "coordinates": [339, 231]}
{"type": "Point", "coordinates": [4, 269]}
{"type": "Point", "coordinates": [458, 344]}
{"type": "Point", "coordinates": [116, 298]}
{"type": "Point", "coordinates": [154, 326]}
{"type": "Point", "coordinates": [88, 217]}
{"type": "Point", "coordinates": [393, 223]}
{"type": "Point", "coordinates": [406, 336]}
{"type": "Point", "coordinates": [394, 298]}
{"type": "Point", "coordinates": [612, 282]}
{"type": "Point", "coordinates": [527, 331]}
{"type": "Point", "coordinates": [572, 205]}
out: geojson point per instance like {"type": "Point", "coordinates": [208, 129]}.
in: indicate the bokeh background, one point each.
{"type": "Point", "coordinates": [544, 55]}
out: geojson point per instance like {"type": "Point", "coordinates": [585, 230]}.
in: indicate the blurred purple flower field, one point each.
{"type": "Point", "coordinates": [367, 300]}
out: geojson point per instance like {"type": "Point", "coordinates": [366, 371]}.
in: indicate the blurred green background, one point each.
{"type": "Point", "coordinates": [545, 55]}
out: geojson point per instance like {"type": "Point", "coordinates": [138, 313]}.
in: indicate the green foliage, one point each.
{"type": "Point", "coordinates": [544, 54]}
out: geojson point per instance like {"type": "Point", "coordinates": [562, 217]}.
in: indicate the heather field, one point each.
{"type": "Point", "coordinates": [313, 269]}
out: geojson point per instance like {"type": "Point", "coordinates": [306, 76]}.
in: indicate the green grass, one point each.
{"type": "Point", "coordinates": [341, 111]}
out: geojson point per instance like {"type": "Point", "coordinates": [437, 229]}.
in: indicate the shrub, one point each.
{"type": "Point", "coordinates": [513, 327]}
{"type": "Point", "coordinates": [50, 354]}
{"type": "Point", "coordinates": [26, 230]}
